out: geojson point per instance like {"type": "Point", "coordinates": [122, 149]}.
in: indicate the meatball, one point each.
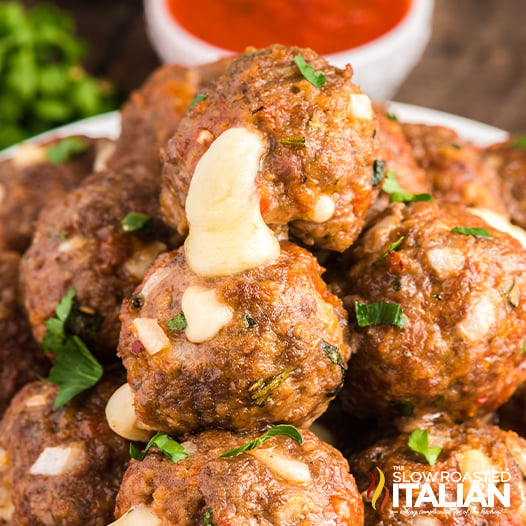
{"type": "Point", "coordinates": [280, 482]}
{"type": "Point", "coordinates": [29, 180]}
{"type": "Point", "coordinates": [509, 159]}
{"type": "Point", "coordinates": [59, 466]}
{"type": "Point", "coordinates": [21, 358]}
{"type": "Point", "coordinates": [317, 144]}
{"type": "Point", "coordinates": [455, 167]}
{"type": "Point", "coordinates": [81, 243]}
{"type": "Point", "coordinates": [476, 465]}
{"type": "Point", "coordinates": [462, 297]}
{"type": "Point", "coordinates": [238, 352]}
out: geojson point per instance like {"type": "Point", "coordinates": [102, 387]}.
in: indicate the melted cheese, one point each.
{"type": "Point", "coordinates": [138, 516]}
{"type": "Point", "coordinates": [58, 460]}
{"type": "Point", "coordinates": [227, 233]}
{"type": "Point", "coordinates": [29, 155]}
{"type": "Point", "coordinates": [500, 222]}
{"type": "Point", "coordinates": [151, 335]}
{"type": "Point", "coordinates": [205, 315]}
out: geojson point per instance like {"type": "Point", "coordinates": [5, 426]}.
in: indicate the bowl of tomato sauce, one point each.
{"type": "Point", "coordinates": [381, 39]}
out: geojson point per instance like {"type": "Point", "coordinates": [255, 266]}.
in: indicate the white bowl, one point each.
{"type": "Point", "coordinates": [379, 66]}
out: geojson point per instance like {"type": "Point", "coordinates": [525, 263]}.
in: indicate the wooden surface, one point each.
{"type": "Point", "coordinates": [474, 66]}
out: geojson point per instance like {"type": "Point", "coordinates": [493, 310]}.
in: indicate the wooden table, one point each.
{"type": "Point", "coordinates": [475, 64]}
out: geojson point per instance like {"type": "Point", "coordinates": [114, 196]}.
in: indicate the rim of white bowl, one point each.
{"type": "Point", "coordinates": [159, 16]}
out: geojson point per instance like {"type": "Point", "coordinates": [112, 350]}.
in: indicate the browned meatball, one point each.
{"type": "Point", "coordinates": [509, 159]}
{"type": "Point", "coordinates": [59, 466]}
{"type": "Point", "coordinates": [463, 300]}
{"type": "Point", "coordinates": [280, 482]}
{"type": "Point", "coordinates": [316, 168]}
{"type": "Point", "coordinates": [455, 167]}
{"type": "Point", "coordinates": [81, 243]}
{"type": "Point", "coordinates": [481, 459]}
{"type": "Point", "coordinates": [264, 346]}
{"type": "Point", "coordinates": [21, 358]}
{"type": "Point", "coordinates": [29, 181]}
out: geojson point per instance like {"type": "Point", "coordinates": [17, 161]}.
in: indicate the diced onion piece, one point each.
{"type": "Point", "coordinates": [37, 400]}
{"type": "Point", "coordinates": [141, 260]}
{"type": "Point", "coordinates": [361, 106]}
{"type": "Point", "coordinates": [472, 461]}
{"type": "Point", "coordinates": [323, 209]}
{"type": "Point", "coordinates": [154, 280]}
{"type": "Point", "coordinates": [75, 243]}
{"type": "Point", "coordinates": [205, 315]}
{"type": "Point", "coordinates": [151, 335]}
{"type": "Point", "coordinates": [481, 316]}
{"type": "Point", "coordinates": [121, 416]}
{"type": "Point", "coordinates": [58, 460]}
{"type": "Point", "coordinates": [286, 467]}
{"type": "Point", "coordinates": [500, 222]}
{"type": "Point", "coordinates": [227, 233]}
{"type": "Point", "coordinates": [446, 262]}
{"type": "Point", "coordinates": [105, 149]}
{"type": "Point", "coordinates": [138, 516]}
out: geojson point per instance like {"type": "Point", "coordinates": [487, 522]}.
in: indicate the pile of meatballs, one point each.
{"type": "Point", "coordinates": [299, 257]}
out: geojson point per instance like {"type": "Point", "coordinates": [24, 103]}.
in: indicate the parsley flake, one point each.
{"type": "Point", "coordinates": [519, 142]}
{"type": "Point", "coordinates": [261, 389]}
{"type": "Point", "coordinates": [198, 98]}
{"type": "Point", "coordinates": [316, 78]}
{"type": "Point", "coordinates": [65, 150]}
{"type": "Point", "coordinates": [298, 142]}
{"type": "Point", "coordinates": [164, 443]}
{"type": "Point", "coordinates": [379, 312]}
{"type": "Point", "coordinates": [136, 221]}
{"type": "Point", "coordinates": [207, 518]}
{"type": "Point", "coordinates": [378, 172]}
{"type": "Point", "coordinates": [282, 429]}
{"type": "Point", "coordinates": [480, 232]}
{"type": "Point", "coordinates": [419, 443]}
{"type": "Point", "coordinates": [398, 194]}
{"type": "Point", "coordinates": [177, 323]}
{"type": "Point", "coordinates": [392, 247]}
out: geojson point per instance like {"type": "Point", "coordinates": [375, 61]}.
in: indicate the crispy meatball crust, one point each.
{"type": "Point", "coordinates": [79, 242]}
{"type": "Point", "coordinates": [21, 358]}
{"type": "Point", "coordinates": [464, 300]}
{"type": "Point", "coordinates": [84, 493]}
{"type": "Point", "coordinates": [245, 489]}
{"type": "Point", "coordinates": [265, 90]}
{"type": "Point", "coordinates": [466, 450]}
{"type": "Point", "coordinates": [455, 167]}
{"type": "Point", "coordinates": [27, 186]}
{"type": "Point", "coordinates": [286, 327]}
{"type": "Point", "coordinates": [509, 159]}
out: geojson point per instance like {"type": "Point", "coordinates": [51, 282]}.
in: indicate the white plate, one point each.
{"type": "Point", "coordinates": [109, 124]}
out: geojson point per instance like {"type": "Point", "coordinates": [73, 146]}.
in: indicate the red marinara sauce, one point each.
{"type": "Point", "coordinates": [327, 26]}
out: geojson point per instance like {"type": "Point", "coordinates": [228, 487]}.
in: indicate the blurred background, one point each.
{"type": "Point", "coordinates": [474, 65]}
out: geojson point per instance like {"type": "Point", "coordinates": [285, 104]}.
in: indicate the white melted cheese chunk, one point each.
{"type": "Point", "coordinates": [151, 335]}
{"type": "Point", "coordinates": [139, 516]}
{"type": "Point", "coordinates": [205, 315]}
{"type": "Point", "coordinates": [285, 467]}
{"type": "Point", "coordinates": [58, 460]}
{"type": "Point", "coordinates": [500, 222]}
{"type": "Point", "coordinates": [29, 155]}
{"type": "Point", "coordinates": [121, 416]}
{"type": "Point", "coordinates": [227, 233]}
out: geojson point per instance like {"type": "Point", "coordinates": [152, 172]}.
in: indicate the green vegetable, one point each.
{"type": "Point", "coordinates": [480, 232]}
{"type": "Point", "coordinates": [163, 443]}
{"type": "Point", "coordinates": [316, 78]}
{"type": "Point", "coordinates": [393, 246]}
{"type": "Point", "coordinates": [334, 355]}
{"type": "Point", "coordinates": [207, 517]}
{"type": "Point", "coordinates": [65, 150]}
{"type": "Point", "coordinates": [379, 312]}
{"type": "Point", "coordinates": [519, 142]}
{"type": "Point", "coordinates": [299, 142]}
{"type": "Point", "coordinates": [136, 221]}
{"type": "Point", "coordinates": [419, 443]}
{"type": "Point", "coordinates": [198, 98]}
{"type": "Point", "coordinates": [261, 389]}
{"type": "Point", "coordinates": [75, 369]}
{"type": "Point", "coordinates": [398, 194]}
{"type": "Point", "coordinates": [391, 116]}
{"type": "Point", "coordinates": [282, 429]}
{"type": "Point", "coordinates": [177, 323]}
{"type": "Point", "coordinates": [378, 172]}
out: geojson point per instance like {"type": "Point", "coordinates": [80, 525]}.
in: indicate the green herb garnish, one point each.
{"type": "Point", "coordinates": [391, 116]}
{"type": "Point", "coordinates": [334, 355]}
{"type": "Point", "coordinates": [378, 172]}
{"type": "Point", "coordinates": [298, 142]}
{"type": "Point", "coordinates": [207, 518]}
{"type": "Point", "coordinates": [65, 150]}
{"type": "Point", "coordinates": [519, 142]}
{"type": "Point", "coordinates": [379, 312]}
{"type": "Point", "coordinates": [282, 429]}
{"type": "Point", "coordinates": [398, 194]}
{"type": "Point", "coordinates": [419, 443]}
{"type": "Point", "coordinates": [198, 98]}
{"type": "Point", "coordinates": [316, 78]}
{"type": "Point", "coordinates": [75, 368]}
{"type": "Point", "coordinates": [393, 246]}
{"type": "Point", "coordinates": [480, 232]}
{"type": "Point", "coordinates": [261, 389]}
{"type": "Point", "coordinates": [136, 221]}
{"type": "Point", "coordinates": [177, 323]}
{"type": "Point", "coordinates": [164, 443]}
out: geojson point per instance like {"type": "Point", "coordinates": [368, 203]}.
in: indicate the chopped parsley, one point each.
{"type": "Point", "coordinates": [207, 518]}
{"type": "Point", "coordinates": [391, 116]}
{"type": "Point", "coordinates": [198, 98]}
{"type": "Point", "coordinates": [164, 443]}
{"type": "Point", "coordinates": [65, 150]}
{"type": "Point", "coordinates": [378, 172]}
{"type": "Point", "coordinates": [419, 443]}
{"type": "Point", "coordinates": [480, 232]}
{"type": "Point", "coordinates": [398, 194]}
{"type": "Point", "coordinates": [519, 142]}
{"type": "Point", "coordinates": [379, 312]}
{"type": "Point", "coordinates": [282, 429]}
{"type": "Point", "coordinates": [334, 355]}
{"type": "Point", "coordinates": [261, 389]}
{"type": "Point", "coordinates": [299, 142]}
{"type": "Point", "coordinates": [177, 323]}
{"type": "Point", "coordinates": [136, 221]}
{"type": "Point", "coordinates": [316, 78]}
{"type": "Point", "coordinates": [393, 246]}
{"type": "Point", "coordinates": [75, 368]}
